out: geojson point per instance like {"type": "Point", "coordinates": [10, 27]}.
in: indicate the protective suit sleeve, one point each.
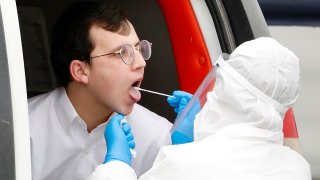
{"type": "Point", "coordinates": [165, 167]}
{"type": "Point", "coordinates": [113, 170]}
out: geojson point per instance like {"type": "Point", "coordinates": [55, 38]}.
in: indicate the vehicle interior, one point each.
{"type": "Point", "coordinates": [186, 41]}
{"type": "Point", "coordinates": [176, 38]}
{"type": "Point", "coordinates": [36, 21]}
{"type": "Point", "coordinates": [187, 37]}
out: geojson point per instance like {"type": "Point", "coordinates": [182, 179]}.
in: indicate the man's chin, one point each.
{"type": "Point", "coordinates": [126, 111]}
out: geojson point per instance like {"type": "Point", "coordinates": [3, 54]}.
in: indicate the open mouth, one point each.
{"type": "Point", "coordinates": [136, 84]}
{"type": "Point", "coordinates": [134, 93]}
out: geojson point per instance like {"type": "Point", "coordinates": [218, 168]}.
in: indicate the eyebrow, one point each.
{"type": "Point", "coordinates": [137, 43]}
{"type": "Point", "coordinates": [118, 47]}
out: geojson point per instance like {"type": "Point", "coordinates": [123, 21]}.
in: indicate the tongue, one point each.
{"type": "Point", "coordinates": [135, 94]}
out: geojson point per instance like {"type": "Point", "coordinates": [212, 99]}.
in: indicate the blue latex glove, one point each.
{"type": "Point", "coordinates": [119, 140]}
{"type": "Point", "coordinates": [179, 101]}
{"type": "Point", "coordinates": [184, 131]}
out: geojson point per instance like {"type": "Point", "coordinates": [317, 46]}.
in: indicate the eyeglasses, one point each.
{"type": "Point", "coordinates": [126, 51]}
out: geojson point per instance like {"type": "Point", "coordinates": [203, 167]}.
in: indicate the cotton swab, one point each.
{"type": "Point", "coordinates": [162, 94]}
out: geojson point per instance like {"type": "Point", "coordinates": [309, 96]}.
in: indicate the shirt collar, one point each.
{"type": "Point", "coordinates": [65, 110]}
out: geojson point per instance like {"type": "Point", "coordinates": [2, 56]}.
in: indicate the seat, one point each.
{"type": "Point", "coordinates": [39, 74]}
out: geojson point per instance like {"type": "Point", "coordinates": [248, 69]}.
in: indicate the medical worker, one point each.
{"type": "Point", "coordinates": [238, 133]}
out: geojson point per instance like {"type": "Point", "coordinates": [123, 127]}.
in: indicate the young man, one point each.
{"type": "Point", "coordinates": [238, 132]}
{"type": "Point", "coordinates": [98, 59]}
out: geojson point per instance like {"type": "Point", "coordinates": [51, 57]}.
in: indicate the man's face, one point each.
{"type": "Point", "coordinates": [111, 81]}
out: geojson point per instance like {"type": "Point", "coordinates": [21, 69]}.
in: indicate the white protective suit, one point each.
{"type": "Point", "coordinates": [238, 133]}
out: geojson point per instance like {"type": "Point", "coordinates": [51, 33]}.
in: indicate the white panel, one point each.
{"type": "Point", "coordinates": [207, 27]}
{"type": "Point", "coordinates": [18, 89]}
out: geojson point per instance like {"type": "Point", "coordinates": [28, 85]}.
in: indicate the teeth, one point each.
{"type": "Point", "coordinates": [135, 84]}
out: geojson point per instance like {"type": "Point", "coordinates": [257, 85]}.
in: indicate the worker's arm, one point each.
{"type": "Point", "coordinates": [113, 170]}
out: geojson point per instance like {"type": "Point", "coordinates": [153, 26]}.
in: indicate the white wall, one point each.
{"type": "Point", "coordinates": [305, 43]}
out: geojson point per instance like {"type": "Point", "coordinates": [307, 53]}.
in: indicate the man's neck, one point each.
{"type": "Point", "coordinates": [86, 106]}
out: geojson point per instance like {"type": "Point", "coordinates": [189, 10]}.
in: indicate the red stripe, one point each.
{"type": "Point", "coordinates": [289, 125]}
{"type": "Point", "coordinates": [190, 52]}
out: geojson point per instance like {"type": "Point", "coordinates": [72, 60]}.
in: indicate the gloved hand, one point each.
{"type": "Point", "coordinates": [119, 140]}
{"type": "Point", "coordinates": [179, 101]}
{"type": "Point", "coordinates": [183, 132]}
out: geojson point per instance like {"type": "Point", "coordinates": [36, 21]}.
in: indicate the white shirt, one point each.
{"type": "Point", "coordinates": [62, 149]}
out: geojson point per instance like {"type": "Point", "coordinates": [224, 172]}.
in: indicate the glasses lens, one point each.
{"type": "Point", "coordinates": [127, 54]}
{"type": "Point", "coordinates": [145, 49]}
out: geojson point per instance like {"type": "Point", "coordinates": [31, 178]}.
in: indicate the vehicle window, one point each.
{"type": "Point", "coordinates": [37, 19]}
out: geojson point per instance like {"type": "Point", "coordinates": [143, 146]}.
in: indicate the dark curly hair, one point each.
{"type": "Point", "coordinates": [70, 35]}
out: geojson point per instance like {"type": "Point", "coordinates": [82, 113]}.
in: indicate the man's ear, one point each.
{"type": "Point", "coordinates": [79, 71]}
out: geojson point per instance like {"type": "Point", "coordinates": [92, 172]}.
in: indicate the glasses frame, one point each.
{"type": "Point", "coordinates": [137, 47]}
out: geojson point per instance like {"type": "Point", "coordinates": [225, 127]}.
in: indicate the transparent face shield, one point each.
{"type": "Point", "coordinates": [183, 125]}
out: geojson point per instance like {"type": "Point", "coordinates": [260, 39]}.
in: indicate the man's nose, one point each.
{"type": "Point", "coordinates": [139, 61]}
